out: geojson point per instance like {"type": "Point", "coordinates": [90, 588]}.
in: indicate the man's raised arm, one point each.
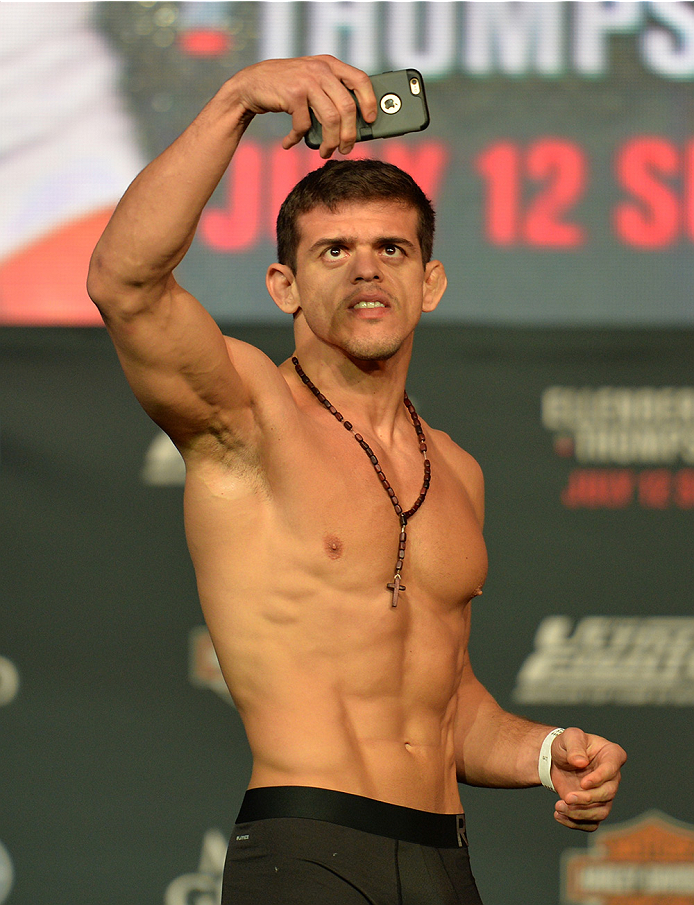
{"type": "Point", "coordinates": [185, 374]}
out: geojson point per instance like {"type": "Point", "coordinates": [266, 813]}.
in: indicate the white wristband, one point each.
{"type": "Point", "coordinates": [544, 765]}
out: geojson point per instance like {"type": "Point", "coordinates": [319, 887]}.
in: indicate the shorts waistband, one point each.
{"type": "Point", "coordinates": [355, 811]}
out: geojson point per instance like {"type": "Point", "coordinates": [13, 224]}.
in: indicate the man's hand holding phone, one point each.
{"type": "Point", "coordinates": [333, 105]}
{"type": "Point", "coordinates": [402, 108]}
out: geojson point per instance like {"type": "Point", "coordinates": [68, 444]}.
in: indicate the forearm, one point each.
{"type": "Point", "coordinates": [495, 748]}
{"type": "Point", "coordinates": [155, 222]}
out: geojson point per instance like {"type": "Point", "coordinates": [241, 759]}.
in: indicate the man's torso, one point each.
{"type": "Point", "coordinates": [293, 551]}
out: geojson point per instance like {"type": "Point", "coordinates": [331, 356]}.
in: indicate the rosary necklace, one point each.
{"type": "Point", "coordinates": [395, 585]}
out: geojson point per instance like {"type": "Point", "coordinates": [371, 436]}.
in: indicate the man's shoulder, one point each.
{"type": "Point", "coordinates": [465, 468]}
{"type": "Point", "coordinates": [247, 356]}
{"type": "Point", "coordinates": [457, 457]}
{"type": "Point", "coordinates": [262, 378]}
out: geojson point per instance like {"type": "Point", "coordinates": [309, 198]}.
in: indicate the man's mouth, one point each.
{"type": "Point", "coordinates": [368, 300]}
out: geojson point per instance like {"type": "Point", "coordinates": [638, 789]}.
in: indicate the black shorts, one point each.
{"type": "Point", "coordinates": [294, 845]}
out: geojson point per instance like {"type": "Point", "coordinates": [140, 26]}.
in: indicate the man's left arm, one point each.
{"type": "Point", "coordinates": [498, 749]}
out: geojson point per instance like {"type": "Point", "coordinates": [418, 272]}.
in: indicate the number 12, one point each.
{"type": "Point", "coordinates": [515, 214]}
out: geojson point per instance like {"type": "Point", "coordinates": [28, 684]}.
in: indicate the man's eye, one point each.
{"type": "Point", "coordinates": [334, 252]}
{"type": "Point", "coordinates": [391, 249]}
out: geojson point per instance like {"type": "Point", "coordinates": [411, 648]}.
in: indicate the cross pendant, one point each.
{"type": "Point", "coordinates": [395, 587]}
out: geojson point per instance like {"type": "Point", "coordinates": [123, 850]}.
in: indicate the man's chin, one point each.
{"type": "Point", "coordinates": [372, 352]}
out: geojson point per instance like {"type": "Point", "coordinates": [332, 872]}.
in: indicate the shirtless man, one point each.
{"type": "Point", "coordinates": [344, 643]}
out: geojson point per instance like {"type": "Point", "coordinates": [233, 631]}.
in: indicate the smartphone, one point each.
{"type": "Point", "coordinates": [402, 108]}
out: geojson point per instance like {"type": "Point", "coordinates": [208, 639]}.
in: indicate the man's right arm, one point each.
{"type": "Point", "coordinates": [183, 371]}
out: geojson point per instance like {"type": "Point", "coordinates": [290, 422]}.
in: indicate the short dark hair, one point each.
{"type": "Point", "coordinates": [346, 181]}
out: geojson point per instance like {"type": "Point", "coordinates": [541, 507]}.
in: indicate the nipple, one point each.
{"type": "Point", "coordinates": [333, 546]}
{"type": "Point", "coordinates": [477, 591]}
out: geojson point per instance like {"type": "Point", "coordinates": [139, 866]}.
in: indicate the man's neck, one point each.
{"type": "Point", "coordinates": [368, 392]}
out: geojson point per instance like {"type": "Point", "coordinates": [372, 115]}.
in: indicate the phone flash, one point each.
{"type": "Point", "coordinates": [414, 86]}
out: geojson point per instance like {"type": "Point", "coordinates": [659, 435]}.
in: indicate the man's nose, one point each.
{"type": "Point", "coordinates": [365, 265]}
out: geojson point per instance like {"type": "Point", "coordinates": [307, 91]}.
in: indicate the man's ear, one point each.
{"type": "Point", "coordinates": [435, 282]}
{"type": "Point", "coordinates": [281, 284]}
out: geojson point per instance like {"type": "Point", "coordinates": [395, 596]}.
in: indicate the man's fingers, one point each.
{"type": "Point", "coordinates": [606, 773]}
{"type": "Point", "coordinates": [320, 83]}
{"type": "Point", "coordinates": [586, 826]}
{"type": "Point", "coordinates": [301, 123]}
{"type": "Point", "coordinates": [588, 776]}
{"type": "Point", "coordinates": [577, 801]}
{"type": "Point", "coordinates": [583, 816]}
{"type": "Point", "coordinates": [595, 757]}
{"type": "Point", "coordinates": [586, 810]}
{"type": "Point", "coordinates": [586, 820]}
{"type": "Point", "coordinates": [607, 764]}
{"type": "Point", "coordinates": [335, 107]}
{"type": "Point", "coordinates": [606, 791]}
{"type": "Point", "coordinates": [362, 87]}
{"type": "Point", "coordinates": [572, 747]}
{"type": "Point", "coordinates": [358, 82]}
{"type": "Point", "coordinates": [336, 111]}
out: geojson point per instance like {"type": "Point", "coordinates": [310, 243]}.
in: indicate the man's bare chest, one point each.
{"type": "Point", "coordinates": [350, 515]}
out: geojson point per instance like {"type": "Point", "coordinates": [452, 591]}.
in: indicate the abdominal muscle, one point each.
{"type": "Point", "coordinates": [334, 754]}
{"type": "Point", "coordinates": [350, 694]}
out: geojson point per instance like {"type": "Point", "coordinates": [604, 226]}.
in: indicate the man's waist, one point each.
{"type": "Point", "coordinates": [355, 811]}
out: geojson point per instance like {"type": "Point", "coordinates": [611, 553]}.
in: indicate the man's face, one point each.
{"type": "Point", "coordinates": [360, 281]}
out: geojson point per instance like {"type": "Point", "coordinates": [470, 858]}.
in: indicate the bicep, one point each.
{"type": "Point", "coordinates": [179, 365]}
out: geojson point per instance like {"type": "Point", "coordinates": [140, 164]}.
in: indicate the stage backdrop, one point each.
{"type": "Point", "coordinates": [561, 159]}
{"type": "Point", "coordinates": [124, 761]}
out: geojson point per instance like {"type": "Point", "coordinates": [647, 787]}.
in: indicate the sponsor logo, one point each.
{"type": "Point", "coordinates": [6, 874]}
{"type": "Point", "coordinates": [163, 465]}
{"type": "Point", "coordinates": [203, 666]}
{"type": "Point", "coordinates": [612, 433]}
{"type": "Point", "coordinates": [204, 886]}
{"type": "Point", "coordinates": [647, 861]}
{"type": "Point", "coordinates": [606, 660]}
{"type": "Point", "coordinates": [9, 682]}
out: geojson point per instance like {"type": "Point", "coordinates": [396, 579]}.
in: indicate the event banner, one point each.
{"type": "Point", "coordinates": [560, 153]}
{"type": "Point", "coordinates": [124, 760]}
